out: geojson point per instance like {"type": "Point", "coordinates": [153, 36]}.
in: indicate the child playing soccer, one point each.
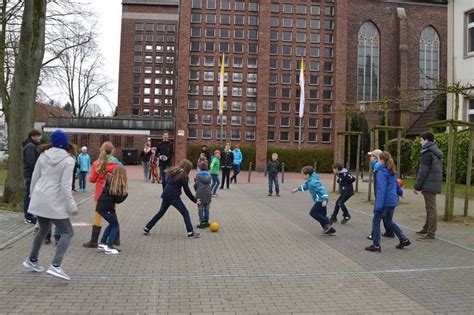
{"type": "Point", "coordinates": [114, 191]}
{"type": "Point", "coordinates": [320, 198]}
{"type": "Point", "coordinates": [346, 190]}
{"type": "Point", "coordinates": [202, 185]}
{"type": "Point", "coordinates": [272, 170]}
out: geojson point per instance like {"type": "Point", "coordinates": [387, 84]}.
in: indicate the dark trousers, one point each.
{"type": "Point", "coordinates": [179, 205]}
{"type": "Point", "coordinates": [387, 215]}
{"type": "Point", "coordinates": [236, 169]}
{"type": "Point", "coordinates": [340, 204]}
{"type": "Point", "coordinates": [163, 176]}
{"type": "Point", "coordinates": [63, 228]}
{"type": "Point", "coordinates": [112, 230]}
{"type": "Point", "coordinates": [26, 201]}
{"type": "Point", "coordinates": [82, 180]}
{"type": "Point", "coordinates": [431, 215]}
{"type": "Point", "coordinates": [273, 180]}
{"type": "Point", "coordinates": [225, 177]}
{"type": "Point", "coordinates": [318, 212]}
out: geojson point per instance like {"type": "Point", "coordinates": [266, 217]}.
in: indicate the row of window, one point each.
{"type": "Point", "coordinates": [156, 80]}
{"type": "Point", "coordinates": [235, 134]}
{"type": "Point", "coordinates": [156, 91]}
{"type": "Point", "coordinates": [284, 136]}
{"type": "Point", "coordinates": [224, 33]}
{"type": "Point", "coordinates": [274, 92]}
{"type": "Point", "coordinates": [286, 122]}
{"type": "Point", "coordinates": [206, 119]}
{"type": "Point", "coordinates": [155, 101]}
{"type": "Point", "coordinates": [195, 89]}
{"type": "Point", "coordinates": [250, 78]}
{"type": "Point", "coordinates": [225, 5]}
{"type": "Point", "coordinates": [286, 107]}
{"type": "Point", "coordinates": [252, 20]}
{"type": "Point", "coordinates": [250, 106]}
{"type": "Point", "coordinates": [312, 24]}
{"type": "Point", "coordinates": [155, 27]}
{"type": "Point", "coordinates": [154, 112]}
{"type": "Point", "coordinates": [236, 76]}
{"type": "Point", "coordinates": [150, 59]}
{"type": "Point", "coordinates": [157, 70]}
{"type": "Point", "coordinates": [314, 38]}
{"type": "Point", "coordinates": [154, 38]}
{"type": "Point", "coordinates": [288, 8]}
{"type": "Point", "coordinates": [235, 120]}
{"type": "Point", "coordinates": [156, 48]}
{"type": "Point", "coordinates": [300, 51]}
{"type": "Point", "coordinates": [287, 64]}
{"type": "Point", "coordinates": [238, 48]}
{"type": "Point", "coordinates": [211, 61]}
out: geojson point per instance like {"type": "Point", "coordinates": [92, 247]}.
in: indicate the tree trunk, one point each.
{"type": "Point", "coordinates": [3, 84]}
{"type": "Point", "coordinates": [23, 95]}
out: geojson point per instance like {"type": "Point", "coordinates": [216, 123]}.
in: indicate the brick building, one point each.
{"type": "Point", "coordinates": [352, 54]}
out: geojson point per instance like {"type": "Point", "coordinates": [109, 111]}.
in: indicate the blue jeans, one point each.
{"type": "Point", "coordinates": [273, 180]}
{"type": "Point", "coordinates": [318, 212]}
{"type": "Point", "coordinates": [203, 210]}
{"type": "Point", "coordinates": [26, 201]}
{"type": "Point", "coordinates": [179, 205]}
{"type": "Point", "coordinates": [112, 230]}
{"type": "Point", "coordinates": [387, 213]}
{"type": "Point", "coordinates": [146, 170]}
{"type": "Point", "coordinates": [215, 183]}
{"type": "Point", "coordinates": [236, 169]}
{"type": "Point", "coordinates": [163, 176]}
{"type": "Point", "coordinates": [65, 231]}
{"type": "Point", "coordinates": [82, 180]}
{"type": "Point", "coordinates": [340, 203]}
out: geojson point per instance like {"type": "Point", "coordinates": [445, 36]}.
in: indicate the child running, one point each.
{"type": "Point", "coordinates": [215, 167]}
{"type": "Point", "coordinates": [178, 179]}
{"type": "Point", "coordinates": [386, 200]}
{"type": "Point", "coordinates": [114, 191]}
{"type": "Point", "coordinates": [202, 185]}
{"type": "Point", "coordinates": [272, 170]}
{"type": "Point", "coordinates": [320, 198]}
{"type": "Point", "coordinates": [346, 190]}
{"type": "Point", "coordinates": [52, 201]}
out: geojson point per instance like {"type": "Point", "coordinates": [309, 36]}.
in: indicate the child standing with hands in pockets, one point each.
{"type": "Point", "coordinates": [320, 198]}
{"type": "Point", "coordinates": [202, 185]}
{"type": "Point", "coordinates": [114, 191]}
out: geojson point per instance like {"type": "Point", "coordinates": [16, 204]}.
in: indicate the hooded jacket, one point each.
{"type": "Point", "coordinates": [316, 189]}
{"type": "Point", "coordinates": [238, 157]}
{"type": "Point", "coordinates": [345, 180]}
{"type": "Point", "coordinates": [273, 167]}
{"type": "Point", "coordinates": [84, 161]}
{"type": "Point", "coordinates": [202, 185]}
{"type": "Point", "coordinates": [388, 189]}
{"type": "Point", "coordinates": [30, 156]}
{"type": "Point", "coordinates": [430, 171]}
{"type": "Point", "coordinates": [51, 185]}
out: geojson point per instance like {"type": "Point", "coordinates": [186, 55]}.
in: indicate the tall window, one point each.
{"type": "Point", "coordinates": [470, 109]}
{"type": "Point", "coordinates": [368, 63]}
{"type": "Point", "coordinates": [470, 32]}
{"type": "Point", "coordinates": [429, 64]}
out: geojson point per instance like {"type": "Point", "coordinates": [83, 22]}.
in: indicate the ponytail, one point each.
{"type": "Point", "coordinates": [387, 158]}
{"type": "Point", "coordinates": [105, 149]}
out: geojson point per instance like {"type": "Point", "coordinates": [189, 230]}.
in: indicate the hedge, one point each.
{"type": "Point", "coordinates": [406, 147]}
{"type": "Point", "coordinates": [441, 139]}
{"type": "Point", "coordinates": [295, 159]}
{"type": "Point", "coordinates": [248, 153]}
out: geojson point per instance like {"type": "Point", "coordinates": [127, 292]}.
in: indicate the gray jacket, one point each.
{"type": "Point", "coordinates": [202, 185]}
{"type": "Point", "coordinates": [430, 171]}
{"type": "Point", "coordinates": [51, 185]}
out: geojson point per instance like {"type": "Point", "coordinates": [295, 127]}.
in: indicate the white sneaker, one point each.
{"type": "Point", "coordinates": [57, 272]}
{"type": "Point", "coordinates": [32, 265]}
{"type": "Point", "coordinates": [111, 251]}
{"type": "Point", "coordinates": [101, 247]}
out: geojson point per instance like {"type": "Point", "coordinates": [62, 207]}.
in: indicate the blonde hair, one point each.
{"type": "Point", "coordinates": [118, 183]}
{"type": "Point", "coordinates": [181, 170]}
{"type": "Point", "coordinates": [387, 158]}
{"type": "Point", "coordinates": [105, 149]}
{"type": "Point", "coordinates": [275, 154]}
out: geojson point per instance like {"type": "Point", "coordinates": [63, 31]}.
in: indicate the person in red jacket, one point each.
{"type": "Point", "coordinates": [103, 166]}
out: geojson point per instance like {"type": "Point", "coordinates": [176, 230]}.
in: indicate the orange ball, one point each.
{"type": "Point", "coordinates": [214, 227]}
{"type": "Point", "coordinates": [400, 182]}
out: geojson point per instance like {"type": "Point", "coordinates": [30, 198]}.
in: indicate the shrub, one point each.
{"type": "Point", "coordinates": [406, 146]}
{"type": "Point", "coordinates": [193, 151]}
{"type": "Point", "coordinates": [295, 159]}
{"type": "Point", "coordinates": [441, 139]}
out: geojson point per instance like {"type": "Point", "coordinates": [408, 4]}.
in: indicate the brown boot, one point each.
{"type": "Point", "coordinates": [94, 237]}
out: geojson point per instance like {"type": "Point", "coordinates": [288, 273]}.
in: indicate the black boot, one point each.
{"type": "Point", "coordinates": [94, 237]}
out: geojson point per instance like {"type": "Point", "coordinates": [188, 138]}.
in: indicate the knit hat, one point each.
{"type": "Point", "coordinates": [59, 139]}
{"type": "Point", "coordinates": [376, 153]}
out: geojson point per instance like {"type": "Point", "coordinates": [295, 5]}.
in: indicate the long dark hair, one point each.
{"type": "Point", "coordinates": [387, 158]}
{"type": "Point", "coordinates": [181, 170]}
{"type": "Point", "coordinates": [71, 148]}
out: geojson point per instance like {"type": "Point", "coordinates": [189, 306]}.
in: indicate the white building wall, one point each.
{"type": "Point", "coordinates": [460, 64]}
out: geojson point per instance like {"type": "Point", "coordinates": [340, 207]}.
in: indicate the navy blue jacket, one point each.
{"type": "Point", "coordinates": [345, 180]}
{"type": "Point", "coordinates": [173, 189]}
{"type": "Point", "coordinates": [388, 189]}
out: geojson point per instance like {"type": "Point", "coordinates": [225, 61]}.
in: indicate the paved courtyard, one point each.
{"type": "Point", "coordinates": [269, 257]}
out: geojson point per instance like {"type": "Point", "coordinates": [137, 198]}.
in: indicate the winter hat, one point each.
{"type": "Point", "coordinates": [59, 139]}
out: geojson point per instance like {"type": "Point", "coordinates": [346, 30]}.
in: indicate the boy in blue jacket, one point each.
{"type": "Point", "coordinates": [320, 198]}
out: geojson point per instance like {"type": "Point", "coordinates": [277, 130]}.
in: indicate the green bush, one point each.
{"type": "Point", "coordinates": [295, 159]}
{"type": "Point", "coordinates": [441, 139]}
{"type": "Point", "coordinates": [248, 153]}
{"type": "Point", "coordinates": [406, 147]}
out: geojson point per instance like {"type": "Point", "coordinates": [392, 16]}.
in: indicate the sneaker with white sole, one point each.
{"type": "Point", "coordinates": [111, 251]}
{"type": "Point", "coordinates": [57, 272]}
{"type": "Point", "coordinates": [194, 235]}
{"type": "Point", "coordinates": [32, 265]}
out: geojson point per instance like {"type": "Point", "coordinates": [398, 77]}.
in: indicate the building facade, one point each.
{"type": "Point", "coordinates": [461, 56]}
{"type": "Point", "coordinates": [354, 52]}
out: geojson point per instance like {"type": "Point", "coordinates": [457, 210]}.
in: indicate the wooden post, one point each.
{"type": "Point", "coordinates": [334, 183]}
{"type": "Point", "coordinates": [348, 166]}
{"type": "Point", "coordinates": [314, 165]}
{"type": "Point", "coordinates": [385, 146]}
{"type": "Point", "coordinates": [399, 148]}
{"type": "Point", "coordinates": [469, 171]}
{"type": "Point", "coordinates": [376, 140]}
{"type": "Point", "coordinates": [357, 163]}
{"type": "Point", "coordinates": [448, 210]}
{"type": "Point", "coordinates": [282, 172]}
{"type": "Point", "coordinates": [250, 172]}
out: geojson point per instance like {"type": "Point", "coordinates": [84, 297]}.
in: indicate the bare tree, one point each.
{"type": "Point", "coordinates": [23, 94]}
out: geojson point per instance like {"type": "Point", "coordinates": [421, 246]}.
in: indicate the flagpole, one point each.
{"type": "Point", "coordinates": [222, 128]}
{"type": "Point", "coordinates": [221, 98]}
{"type": "Point", "coordinates": [299, 137]}
{"type": "Point", "coordinates": [301, 109]}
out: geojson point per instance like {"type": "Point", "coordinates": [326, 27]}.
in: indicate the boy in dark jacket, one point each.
{"type": "Point", "coordinates": [30, 155]}
{"type": "Point", "coordinates": [227, 160]}
{"type": "Point", "coordinates": [273, 167]}
{"type": "Point", "coordinates": [202, 185]}
{"type": "Point", "coordinates": [346, 190]}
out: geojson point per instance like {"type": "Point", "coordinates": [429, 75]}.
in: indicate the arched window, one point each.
{"type": "Point", "coordinates": [429, 64]}
{"type": "Point", "coordinates": [368, 63]}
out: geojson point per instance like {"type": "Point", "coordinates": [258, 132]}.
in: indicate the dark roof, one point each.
{"type": "Point", "coordinates": [112, 123]}
{"type": "Point", "coordinates": [45, 111]}
{"type": "Point", "coordinates": [152, 2]}
{"type": "Point", "coordinates": [419, 125]}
